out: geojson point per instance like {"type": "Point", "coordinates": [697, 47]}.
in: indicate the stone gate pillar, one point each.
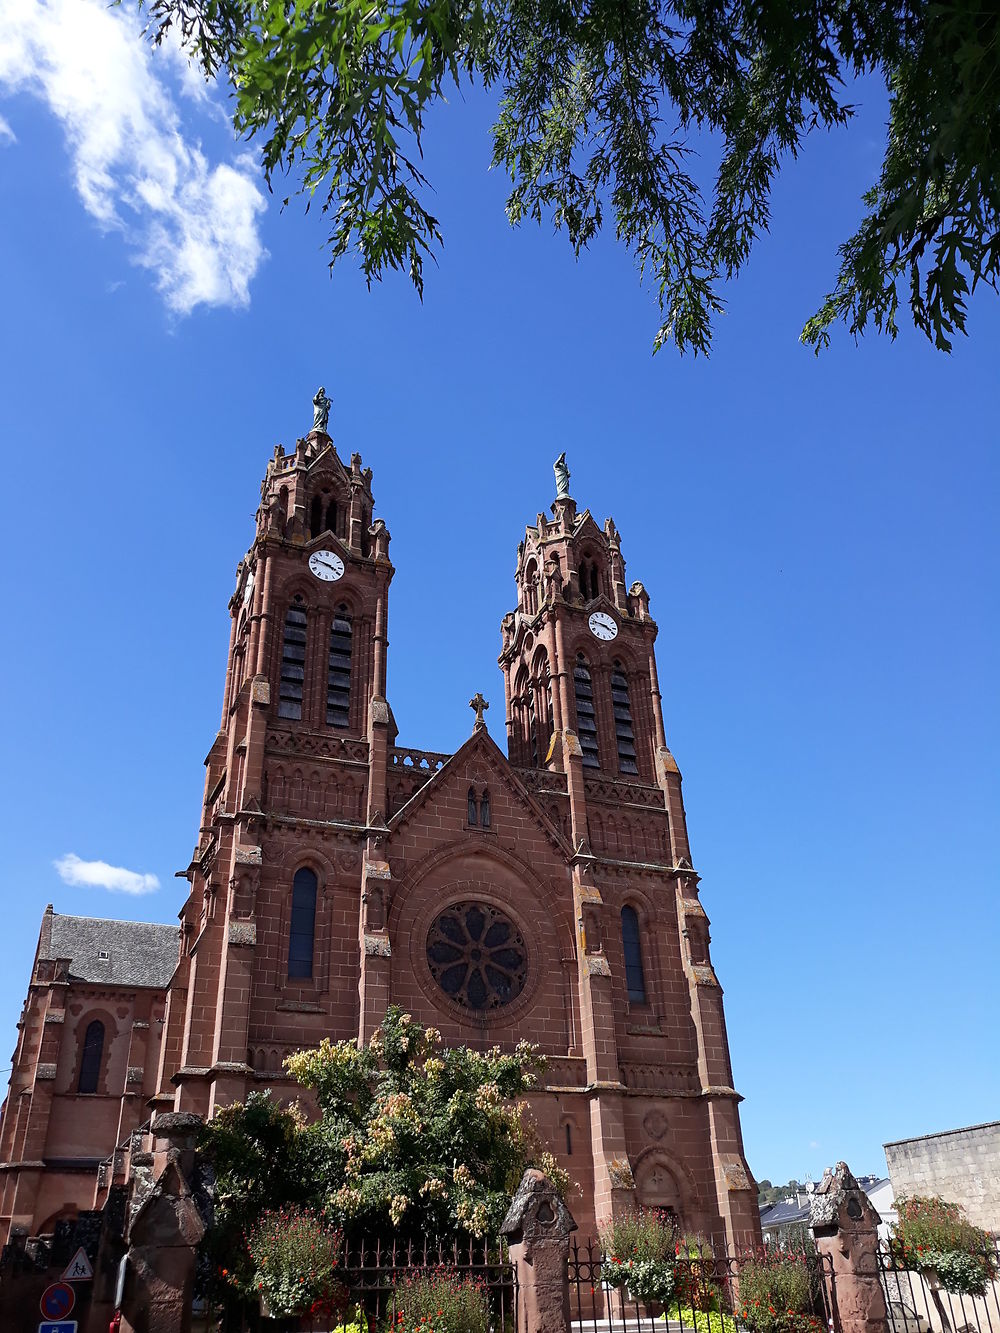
{"type": "Point", "coordinates": [537, 1229]}
{"type": "Point", "coordinates": [163, 1230]}
{"type": "Point", "coordinates": [845, 1227]}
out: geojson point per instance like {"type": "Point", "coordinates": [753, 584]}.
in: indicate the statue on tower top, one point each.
{"type": "Point", "coordinates": [321, 411]}
{"type": "Point", "coordinates": [562, 477]}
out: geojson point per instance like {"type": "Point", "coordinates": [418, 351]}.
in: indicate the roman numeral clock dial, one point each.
{"type": "Point", "coordinates": [326, 565]}
{"type": "Point", "coordinates": [602, 626]}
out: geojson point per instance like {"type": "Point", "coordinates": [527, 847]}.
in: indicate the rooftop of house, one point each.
{"type": "Point", "coordinates": [116, 953]}
{"type": "Point", "coordinates": [794, 1211]}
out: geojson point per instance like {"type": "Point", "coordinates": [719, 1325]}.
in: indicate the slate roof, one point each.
{"type": "Point", "coordinates": [140, 953]}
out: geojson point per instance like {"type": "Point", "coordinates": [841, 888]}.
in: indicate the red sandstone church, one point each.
{"type": "Point", "coordinates": [546, 892]}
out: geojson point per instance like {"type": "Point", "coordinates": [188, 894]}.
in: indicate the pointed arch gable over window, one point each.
{"type": "Point", "coordinates": [624, 732]}
{"type": "Point", "coordinates": [586, 716]}
{"type": "Point", "coordinates": [302, 928]}
{"type": "Point", "coordinates": [93, 1054]}
{"type": "Point", "coordinates": [293, 664]}
{"type": "Point", "coordinates": [635, 979]}
{"type": "Point", "coordinates": [338, 672]}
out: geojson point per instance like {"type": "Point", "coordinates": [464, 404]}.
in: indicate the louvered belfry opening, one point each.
{"type": "Point", "coordinates": [293, 664]}
{"type": "Point", "coordinates": [624, 733]}
{"type": "Point", "coordinates": [338, 675]}
{"type": "Point", "coordinates": [586, 717]}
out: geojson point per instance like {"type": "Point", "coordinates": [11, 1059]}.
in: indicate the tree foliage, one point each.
{"type": "Point", "coordinates": [601, 104]}
{"type": "Point", "coordinates": [411, 1137]}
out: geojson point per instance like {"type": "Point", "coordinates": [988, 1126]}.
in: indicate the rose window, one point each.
{"type": "Point", "coordinates": [477, 956]}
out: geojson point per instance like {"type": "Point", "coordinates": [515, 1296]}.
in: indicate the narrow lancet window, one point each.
{"type": "Point", "coordinates": [634, 978]}
{"type": "Point", "coordinates": [338, 672]}
{"type": "Point", "coordinates": [624, 733]}
{"type": "Point", "coordinates": [586, 717]}
{"type": "Point", "coordinates": [293, 664]}
{"type": "Point", "coordinates": [90, 1061]}
{"type": "Point", "coordinates": [484, 809]}
{"type": "Point", "coordinates": [316, 517]}
{"type": "Point", "coordinates": [473, 809]}
{"type": "Point", "coordinates": [302, 931]}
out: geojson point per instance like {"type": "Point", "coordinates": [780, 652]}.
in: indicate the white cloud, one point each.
{"type": "Point", "coordinates": [100, 875]}
{"type": "Point", "coordinates": [7, 135]}
{"type": "Point", "coordinates": [193, 225]}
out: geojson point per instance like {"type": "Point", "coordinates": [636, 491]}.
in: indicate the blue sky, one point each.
{"type": "Point", "coordinates": [817, 536]}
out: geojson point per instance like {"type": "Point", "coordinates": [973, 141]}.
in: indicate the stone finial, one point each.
{"type": "Point", "coordinates": [838, 1200]}
{"type": "Point", "coordinates": [480, 705]}
{"type": "Point", "coordinates": [536, 1212]}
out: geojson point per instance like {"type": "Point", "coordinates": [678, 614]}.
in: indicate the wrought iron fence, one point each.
{"type": "Point", "coordinates": [918, 1301]}
{"type": "Point", "coordinates": [706, 1297]}
{"type": "Point", "coordinates": [373, 1275]}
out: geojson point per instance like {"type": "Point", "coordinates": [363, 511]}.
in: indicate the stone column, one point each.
{"type": "Point", "coordinates": [164, 1228]}
{"type": "Point", "coordinates": [537, 1229]}
{"type": "Point", "coordinates": [845, 1227]}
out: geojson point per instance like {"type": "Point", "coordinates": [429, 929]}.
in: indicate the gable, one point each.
{"type": "Point", "coordinates": [479, 766]}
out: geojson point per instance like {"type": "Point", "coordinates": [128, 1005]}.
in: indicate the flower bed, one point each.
{"type": "Point", "coordinates": [440, 1301]}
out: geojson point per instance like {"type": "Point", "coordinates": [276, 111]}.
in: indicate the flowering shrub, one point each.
{"type": "Point", "coordinates": [295, 1255]}
{"type": "Point", "coordinates": [420, 1137]}
{"type": "Point", "coordinates": [440, 1301]}
{"type": "Point", "coordinates": [776, 1294]}
{"type": "Point", "coordinates": [934, 1235]}
{"type": "Point", "coordinates": [640, 1252]}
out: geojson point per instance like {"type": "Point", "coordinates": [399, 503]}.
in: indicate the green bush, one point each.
{"type": "Point", "coordinates": [294, 1255]}
{"type": "Point", "coordinates": [440, 1301]}
{"type": "Point", "coordinates": [775, 1294]}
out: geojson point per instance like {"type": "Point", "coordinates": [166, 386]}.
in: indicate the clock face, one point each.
{"type": "Point", "coordinates": [326, 565]}
{"type": "Point", "coordinates": [602, 626]}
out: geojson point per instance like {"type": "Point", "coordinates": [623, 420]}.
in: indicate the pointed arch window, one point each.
{"type": "Point", "coordinates": [484, 809]}
{"type": "Point", "coordinates": [316, 517]}
{"type": "Point", "coordinates": [331, 517]}
{"type": "Point", "coordinates": [338, 671]}
{"type": "Point", "coordinates": [624, 732]}
{"type": "Point", "coordinates": [635, 979]}
{"type": "Point", "coordinates": [90, 1061]}
{"type": "Point", "coordinates": [590, 587]}
{"type": "Point", "coordinates": [293, 664]}
{"type": "Point", "coordinates": [586, 717]}
{"type": "Point", "coordinates": [302, 931]}
{"type": "Point", "coordinates": [473, 807]}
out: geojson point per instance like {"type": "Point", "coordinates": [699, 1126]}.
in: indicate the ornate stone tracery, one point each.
{"type": "Point", "coordinates": [477, 956]}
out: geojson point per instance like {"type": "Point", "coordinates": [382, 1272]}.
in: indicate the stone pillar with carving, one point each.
{"type": "Point", "coordinates": [164, 1227]}
{"type": "Point", "coordinates": [537, 1229]}
{"type": "Point", "coordinates": [845, 1227]}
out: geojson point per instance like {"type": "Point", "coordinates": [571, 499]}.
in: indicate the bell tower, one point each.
{"type": "Point", "coordinates": [295, 776]}
{"type": "Point", "coordinates": [585, 731]}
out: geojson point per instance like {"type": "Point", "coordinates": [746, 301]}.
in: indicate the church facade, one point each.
{"type": "Point", "coordinates": [542, 889]}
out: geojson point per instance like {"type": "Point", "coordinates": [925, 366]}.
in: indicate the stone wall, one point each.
{"type": "Point", "coordinates": [960, 1165]}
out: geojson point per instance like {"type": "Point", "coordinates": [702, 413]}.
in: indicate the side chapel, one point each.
{"type": "Point", "coordinates": [543, 892]}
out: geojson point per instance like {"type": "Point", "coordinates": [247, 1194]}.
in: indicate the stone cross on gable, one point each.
{"type": "Point", "coordinates": [480, 705]}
